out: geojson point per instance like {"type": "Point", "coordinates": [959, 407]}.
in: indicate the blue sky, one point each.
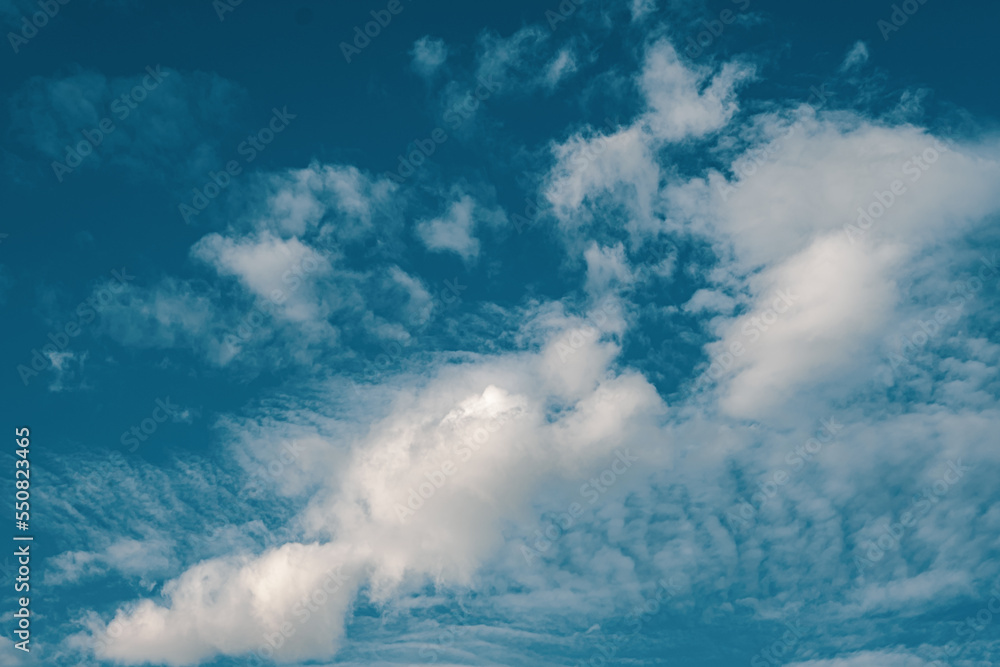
{"type": "Point", "coordinates": [609, 332]}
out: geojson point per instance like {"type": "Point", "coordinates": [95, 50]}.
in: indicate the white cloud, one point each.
{"type": "Point", "coordinates": [710, 301]}
{"type": "Point", "coordinates": [67, 368]}
{"type": "Point", "coordinates": [597, 172]}
{"type": "Point", "coordinates": [349, 199]}
{"type": "Point", "coordinates": [279, 270]}
{"type": "Point", "coordinates": [453, 231]}
{"type": "Point", "coordinates": [683, 102]}
{"type": "Point", "coordinates": [856, 57]}
{"type": "Point", "coordinates": [642, 8]}
{"type": "Point", "coordinates": [813, 224]}
{"type": "Point", "coordinates": [563, 65]}
{"type": "Point", "coordinates": [814, 314]}
{"type": "Point", "coordinates": [238, 605]}
{"type": "Point", "coordinates": [618, 167]}
{"type": "Point", "coordinates": [606, 267]}
{"type": "Point", "coordinates": [144, 558]}
{"type": "Point", "coordinates": [870, 659]}
{"type": "Point", "coordinates": [421, 304]}
{"type": "Point", "coordinates": [424, 494]}
{"type": "Point", "coordinates": [428, 55]}
{"type": "Point", "coordinates": [810, 304]}
{"type": "Point", "coordinates": [512, 62]}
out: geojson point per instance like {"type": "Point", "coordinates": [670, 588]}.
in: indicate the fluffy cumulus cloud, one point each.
{"type": "Point", "coordinates": [456, 228]}
{"type": "Point", "coordinates": [265, 267]}
{"type": "Point", "coordinates": [278, 289]}
{"type": "Point", "coordinates": [617, 164]}
{"type": "Point", "coordinates": [823, 467]}
{"type": "Point", "coordinates": [453, 231]}
{"type": "Point", "coordinates": [425, 492]}
{"type": "Point", "coordinates": [687, 102]}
